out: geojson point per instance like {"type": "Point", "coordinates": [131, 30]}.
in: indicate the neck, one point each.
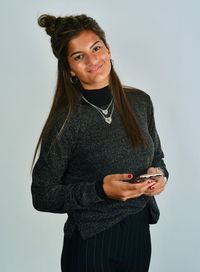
{"type": "Point", "coordinates": [98, 97]}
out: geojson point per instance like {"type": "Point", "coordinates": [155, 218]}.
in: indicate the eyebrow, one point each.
{"type": "Point", "coordinates": [78, 52]}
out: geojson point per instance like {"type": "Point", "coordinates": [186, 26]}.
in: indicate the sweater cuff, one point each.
{"type": "Point", "coordinates": [99, 190]}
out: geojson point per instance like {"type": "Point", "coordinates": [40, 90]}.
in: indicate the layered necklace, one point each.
{"type": "Point", "coordinates": [104, 112]}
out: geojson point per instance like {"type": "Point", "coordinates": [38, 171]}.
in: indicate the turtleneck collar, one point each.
{"type": "Point", "coordinates": [98, 97]}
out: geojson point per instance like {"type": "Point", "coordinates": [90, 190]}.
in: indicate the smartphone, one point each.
{"type": "Point", "coordinates": [144, 177]}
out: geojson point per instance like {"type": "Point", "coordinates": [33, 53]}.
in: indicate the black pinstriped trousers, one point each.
{"type": "Point", "coordinates": [126, 247]}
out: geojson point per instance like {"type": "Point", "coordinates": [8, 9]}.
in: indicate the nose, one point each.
{"type": "Point", "coordinates": [91, 59]}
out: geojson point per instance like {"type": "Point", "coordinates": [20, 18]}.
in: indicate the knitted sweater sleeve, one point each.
{"type": "Point", "coordinates": [158, 160]}
{"type": "Point", "coordinates": [50, 193]}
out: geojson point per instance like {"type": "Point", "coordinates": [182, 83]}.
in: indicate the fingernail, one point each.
{"type": "Point", "coordinates": [130, 176]}
{"type": "Point", "coordinates": [152, 188]}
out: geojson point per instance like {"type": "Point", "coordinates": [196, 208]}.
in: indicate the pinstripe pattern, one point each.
{"type": "Point", "coordinates": [102, 248]}
{"type": "Point", "coordinates": [86, 256]}
{"type": "Point", "coordinates": [124, 247]}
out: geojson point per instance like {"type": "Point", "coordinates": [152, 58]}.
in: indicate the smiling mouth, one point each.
{"type": "Point", "coordinates": [95, 68]}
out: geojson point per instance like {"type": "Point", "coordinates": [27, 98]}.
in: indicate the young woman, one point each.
{"type": "Point", "coordinates": [98, 137]}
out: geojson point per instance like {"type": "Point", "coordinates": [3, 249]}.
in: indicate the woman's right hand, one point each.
{"type": "Point", "coordinates": [116, 187]}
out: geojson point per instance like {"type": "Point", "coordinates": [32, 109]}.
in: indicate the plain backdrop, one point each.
{"type": "Point", "coordinates": [155, 47]}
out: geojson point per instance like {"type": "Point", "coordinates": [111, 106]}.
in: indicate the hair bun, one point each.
{"type": "Point", "coordinates": [48, 22]}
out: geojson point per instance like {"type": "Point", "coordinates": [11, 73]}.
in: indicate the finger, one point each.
{"type": "Point", "coordinates": [157, 192]}
{"type": "Point", "coordinates": [137, 185]}
{"type": "Point", "coordinates": [144, 186]}
{"type": "Point", "coordinates": [133, 193]}
{"type": "Point", "coordinates": [160, 182]}
{"type": "Point", "coordinates": [141, 187]}
{"type": "Point", "coordinates": [122, 177]}
{"type": "Point", "coordinates": [156, 189]}
{"type": "Point", "coordinates": [137, 189]}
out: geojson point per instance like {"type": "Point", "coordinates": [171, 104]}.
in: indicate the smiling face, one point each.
{"type": "Point", "coordinates": [89, 60]}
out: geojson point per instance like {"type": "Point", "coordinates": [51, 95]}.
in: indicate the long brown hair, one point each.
{"type": "Point", "coordinates": [67, 95]}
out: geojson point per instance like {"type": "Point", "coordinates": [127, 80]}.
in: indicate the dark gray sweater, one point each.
{"type": "Point", "coordinates": [68, 175]}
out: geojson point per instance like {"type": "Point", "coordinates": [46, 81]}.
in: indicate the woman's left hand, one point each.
{"type": "Point", "coordinates": [160, 184]}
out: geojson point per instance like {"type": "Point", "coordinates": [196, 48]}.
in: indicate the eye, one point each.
{"type": "Point", "coordinates": [78, 57]}
{"type": "Point", "coordinates": [97, 48]}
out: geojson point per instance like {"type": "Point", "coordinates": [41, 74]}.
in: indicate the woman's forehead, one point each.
{"type": "Point", "coordinates": [84, 40]}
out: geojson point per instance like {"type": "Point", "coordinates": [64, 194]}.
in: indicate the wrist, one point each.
{"type": "Point", "coordinates": [100, 190]}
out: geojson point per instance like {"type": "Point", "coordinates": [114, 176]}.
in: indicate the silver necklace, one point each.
{"type": "Point", "coordinates": [103, 112]}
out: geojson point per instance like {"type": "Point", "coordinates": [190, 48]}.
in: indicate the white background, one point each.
{"type": "Point", "coordinates": [155, 46]}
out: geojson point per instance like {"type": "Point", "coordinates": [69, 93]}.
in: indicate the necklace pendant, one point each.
{"type": "Point", "coordinates": [108, 120]}
{"type": "Point", "coordinates": [105, 112]}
